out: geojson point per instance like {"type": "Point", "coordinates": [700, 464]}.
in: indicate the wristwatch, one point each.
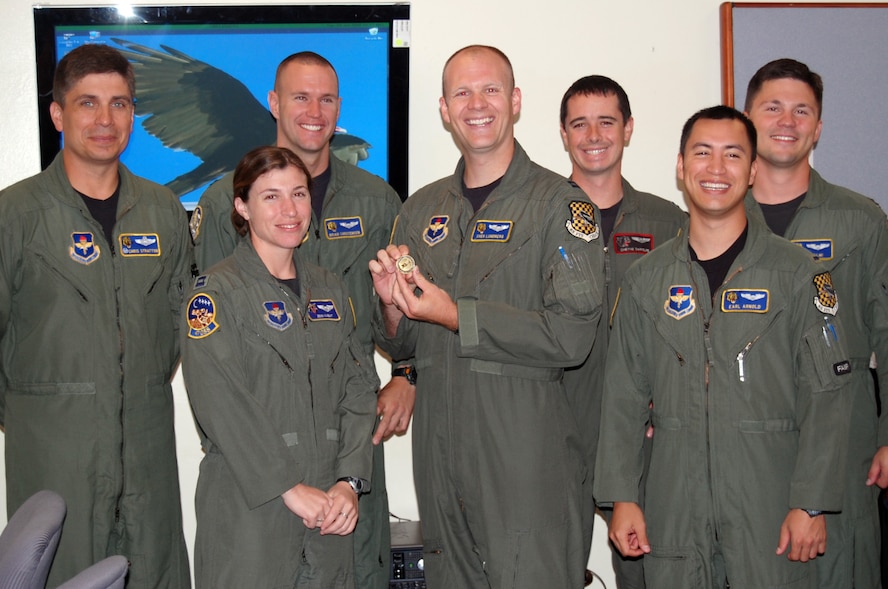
{"type": "Point", "coordinates": [359, 486]}
{"type": "Point", "coordinates": [813, 512]}
{"type": "Point", "coordinates": [408, 372]}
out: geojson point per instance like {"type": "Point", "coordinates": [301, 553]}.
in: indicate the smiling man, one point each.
{"type": "Point", "coordinates": [596, 125]}
{"type": "Point", "coordinates": [731, 333]}
{"type": "Point", "coordinates": [509, 274]}
{"type": "Point", "coordinates": [846, 233]}
{"type": "Point", "coordinates": [93, 263]}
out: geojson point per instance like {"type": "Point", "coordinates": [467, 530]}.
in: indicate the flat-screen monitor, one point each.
{"type": "Point", "coordinates": [203, 74]}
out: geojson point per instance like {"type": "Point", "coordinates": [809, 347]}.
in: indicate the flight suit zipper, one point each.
{"type": "Point", "coordinates": [608, 267]}
{"type": "Point", "coordinates": [121, 363]}
{"type": "Point", "coordinates": [309, 353]}
{"type": "Point", "coordinates": [708, 353]}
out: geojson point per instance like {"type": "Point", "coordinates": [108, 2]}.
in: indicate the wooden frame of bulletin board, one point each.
{"type": "Point", "coordinates": [846, 44]}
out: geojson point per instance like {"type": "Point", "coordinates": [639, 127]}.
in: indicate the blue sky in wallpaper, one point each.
{"type": "Point", "coordinates": [251, 53]}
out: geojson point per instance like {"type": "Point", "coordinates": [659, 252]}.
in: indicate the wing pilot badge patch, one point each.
{"type": "Point", "coordinates": [276, 315]}
{"type": "Point", "coordinates": [201, 316]}
{"type": "Point", "coordinates": [582, 222]}
{"type": "Point", "coordinates": [633, 243]}
{"type": "Point", "coordinates": [821, 249]}
{"type": "Point", "coordinates": [680, 302]}
{"type": "Point", "coordinates": [323, 310]}
{"type": "Point", "coordinates": [344, 227]}
{"type": "Point", "coordinates": [745, 300]}
{"type": "Point", "coordinates": [826, 300]}
{"type": "Point", "coordinates": [492, 231]}
{"type": "Point", "coordinates": [84, 248]}
{"type": "Point", "coordinates": [139, 244]}
{"type": "Point", "coordinates": [437, 230]}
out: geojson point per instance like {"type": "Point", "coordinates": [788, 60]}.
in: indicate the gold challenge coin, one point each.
{"type": "Point", "coordinates": [406, 264]}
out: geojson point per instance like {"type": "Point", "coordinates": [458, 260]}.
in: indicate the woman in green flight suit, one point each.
{"type": "Point", "coordinates": [283, 394]}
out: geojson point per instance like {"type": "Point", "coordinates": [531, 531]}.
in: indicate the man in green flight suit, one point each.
{"type": "Point", "coordinates": [732, 334]}
{"type": "Point", "coordinates": [847, 234]}
{"type": "Point", "coordinates": [596, 124]}
{"type": "Point", "coordinates": [510, 280]}
{"type": "Point", "coordinates": [93, 263]}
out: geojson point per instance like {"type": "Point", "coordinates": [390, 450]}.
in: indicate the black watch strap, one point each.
{"type": "Point", "coordinates": [408, 372]}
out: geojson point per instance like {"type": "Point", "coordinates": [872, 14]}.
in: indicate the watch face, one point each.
{"type": "Point", "coordinates": [357, 485]}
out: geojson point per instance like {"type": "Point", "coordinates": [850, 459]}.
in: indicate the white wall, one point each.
{"type": "Point", "coordinates": [665, 54]}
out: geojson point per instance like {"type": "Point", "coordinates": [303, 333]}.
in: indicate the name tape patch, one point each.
{"type": "Point", "coordinates": [745, 300]}
{"type": "Point", "coordinates": [633, 243]}
{"type": "Point", "coordinates": [323, 310]}
{"type": "Point", "coordinates": [486, 230]}
{"type": "Point", "coordinates": [139, 244]}
{"type": "Point", "coordinates": [821, 249]}
{"type": "Point", "coordinates": [344, 227]}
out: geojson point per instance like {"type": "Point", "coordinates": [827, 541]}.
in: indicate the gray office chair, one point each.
{"type": "Point", "coordinates": [109, 573]}
{"type": "Point", "coordinates": [29, 541]}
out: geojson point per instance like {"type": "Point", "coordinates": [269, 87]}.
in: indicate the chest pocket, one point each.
{"type": "Point", "coordinates": [828, 356]}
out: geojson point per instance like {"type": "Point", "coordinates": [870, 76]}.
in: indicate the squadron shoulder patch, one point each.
{"type": "Point", "coordinates": [745, 300]}
{"type": "Point", "coordinates": [344, 227]}
{"type": "Point", "coordinates": [437, 230]}
{"type": "Point", "coordinates": [680, 301]}
{"type": "Point", "coordinates": [194, 222]}
{"type": "Point", "coordinates": [582, 221]}
{"type": "Point", "coordinates": [826, 300]}
{"type": "Point", "coordinates": [139, 244]}
{"type": "Point", "coordinates": [821, 249]}
{"type": "Point", "coordinates": [487, 230]}
{"type": "Point", "coordinates": [323, 310]}
{"type": "Point", "coordinates": [84, 248]}
{"type": "Point", "coordinates": [201, 316]}
{"type": "Point", "coordinates": [276, 315]}
{"type": "Point", "coordinates": [633, 243]}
